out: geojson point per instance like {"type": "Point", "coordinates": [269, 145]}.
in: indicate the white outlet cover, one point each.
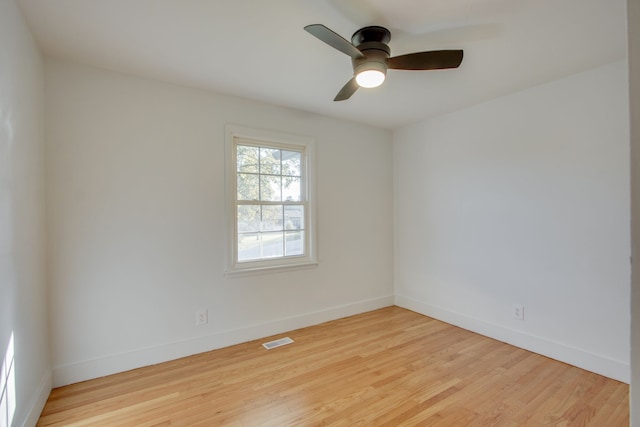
{"type": "Point", "coordinates": [518, 311]}
{"type": "Point", "coordinates": [202, 317]}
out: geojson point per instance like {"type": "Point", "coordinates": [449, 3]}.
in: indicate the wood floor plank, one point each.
{"type": "Point", "coordinates": [388, 367]}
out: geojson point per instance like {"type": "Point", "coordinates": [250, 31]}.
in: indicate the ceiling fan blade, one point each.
{"type": "Point", "coordinates": [432, 60]}
{"type": "Point", "coordinates": [347, 90]}
{"type": "Point", "coordinates": [334, 40]}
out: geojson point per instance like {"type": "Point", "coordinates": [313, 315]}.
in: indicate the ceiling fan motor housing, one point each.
{"type": "Point", "coordinates": [372, 42]}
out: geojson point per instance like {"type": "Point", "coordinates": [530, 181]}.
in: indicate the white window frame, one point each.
{"type": "Point", "coordinates": [235, 135]}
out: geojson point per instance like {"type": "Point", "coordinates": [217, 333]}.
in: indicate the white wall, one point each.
{"type": "Point", "coordinates": [135, 209]}
{"type": "Point", "coordinates": [633, 16]}
{"type": "Point", "coordinates": [23, 299]}
{"type": "Point", "coordinates": [523, 200]}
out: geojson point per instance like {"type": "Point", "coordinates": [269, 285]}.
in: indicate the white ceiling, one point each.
{"type": "Point", "coordinates": [258, 49]}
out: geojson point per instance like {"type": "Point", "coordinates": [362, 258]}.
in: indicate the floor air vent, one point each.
{"type": "Point", "coordinates": [277, 343]}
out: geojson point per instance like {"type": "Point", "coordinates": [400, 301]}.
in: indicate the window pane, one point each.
{"type": "Point", "coordinates": [294, 243]}
{"type": "Point", "coordinates": [249, 246]}
{"type": "Point", "coordinates": [291, 189]}
{"type": "Point", "coordinates": [248, 218]}
{"type": "Point", "coordinates": [272, 244]}
{"type": "Point", "coordinates": [291, 161]}
{"type": "Point", "coordinates": [270, 188]}
{"type": "Point", "coordinates": [294, 217]}
{"type": "Point", "coordinates": [248, 188]}
{"type": "Point", "coordinates": [272, 218]}
{"type": "Point", "coordinates": [271, 200]}
{"type": "Point", "coordinates": [270, 161]}
{"type": "Point", "coordinates": [247, 160]}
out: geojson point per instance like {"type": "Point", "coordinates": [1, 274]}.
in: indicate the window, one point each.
{"type": "Point", "coordinates": [270, 199]}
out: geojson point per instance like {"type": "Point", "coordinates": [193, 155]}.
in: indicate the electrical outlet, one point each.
{"type": "Point", "coordinates": [518, 311]}
{"type": "Point", "coordinates": [202, 317]}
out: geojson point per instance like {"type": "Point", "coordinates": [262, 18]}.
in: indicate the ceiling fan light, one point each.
{"type": "Point", "coordinates": [370, 78]}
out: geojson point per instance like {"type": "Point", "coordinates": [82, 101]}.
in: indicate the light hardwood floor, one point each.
{"type": "Point", "coordinates": [389, 367]}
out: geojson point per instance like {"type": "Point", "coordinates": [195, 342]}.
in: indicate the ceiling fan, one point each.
{"type": "Point", "coordinates": [369, 54]}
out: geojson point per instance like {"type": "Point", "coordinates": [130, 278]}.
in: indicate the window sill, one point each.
{"type": "Point", "coordinates": [255, 271]}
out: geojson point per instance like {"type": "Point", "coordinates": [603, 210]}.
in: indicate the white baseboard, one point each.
{"type": "Point", "coordinates": [81, 371]}
{"type": "Point", "coordinates": [574, 356]}
{"type": "Point", "coordinates": [39, 400]}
